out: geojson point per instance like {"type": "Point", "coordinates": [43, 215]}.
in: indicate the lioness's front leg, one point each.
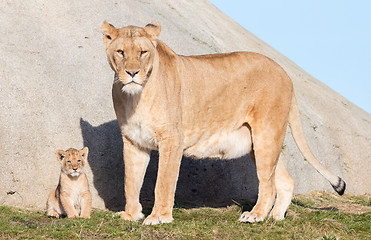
{"type": "Point", "coordinates": [170, 151]}
{"type": "Point", "coordinates": [136, 161]}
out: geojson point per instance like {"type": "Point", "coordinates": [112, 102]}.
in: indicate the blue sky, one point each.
{"type": "Point", "coordinates": [331, 40]}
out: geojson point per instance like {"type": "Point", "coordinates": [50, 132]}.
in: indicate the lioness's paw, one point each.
{"type": "Point", "coordinates": [126, 216]}
{"type": "Point", "coordinates": [278, 215]}
{"type": "Point", "coordinates": [251, 217]}
{"type": "Point", "coordinates": [155, 219]}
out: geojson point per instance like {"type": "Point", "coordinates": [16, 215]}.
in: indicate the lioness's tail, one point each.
{"type": "Point", "coordinates": [297, 132]}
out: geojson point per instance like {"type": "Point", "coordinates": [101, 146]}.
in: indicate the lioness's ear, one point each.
{"type": "Point", "coordinates": [84, 152]}
{"type": "Point", "coordinates": [60, 155]}
{"type": "Point", "coordinates": [153, 29]}
{"type": "Point", "coordinates": [109, 33]}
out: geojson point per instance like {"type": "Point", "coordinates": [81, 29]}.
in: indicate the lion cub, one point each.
{"type": "Point", "coordinates": [72, 196]}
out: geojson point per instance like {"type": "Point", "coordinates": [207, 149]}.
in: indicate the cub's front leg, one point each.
{"type": "Point", "coordinates": [136, 161]}
{"type": "Point", "coordinates": [86, 202]}
{"type": "Point", "coordinates": [68, 205]}
{"type": "Point", "coordinates": [168, 171]}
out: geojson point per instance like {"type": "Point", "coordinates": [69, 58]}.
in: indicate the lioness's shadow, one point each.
{"type": "Point", "coordinates": [202, 182]}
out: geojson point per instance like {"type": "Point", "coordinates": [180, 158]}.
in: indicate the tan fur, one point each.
{"type": "Point", "coordinates": [72, 196]}
{"type": "Point", "coordinates": [216, 106]}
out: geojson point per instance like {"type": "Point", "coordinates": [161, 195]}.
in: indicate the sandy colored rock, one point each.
{"type": "Point", "coordinates": [56, 93]}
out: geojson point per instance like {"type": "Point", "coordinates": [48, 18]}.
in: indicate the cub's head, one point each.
{"type": "Point", "coordinates": [72, 161]}
{"type": "Point", "coordinates": [131, 52]}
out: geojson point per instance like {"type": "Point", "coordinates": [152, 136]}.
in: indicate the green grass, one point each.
{"type": "Point", "coordinates": [309, 217]}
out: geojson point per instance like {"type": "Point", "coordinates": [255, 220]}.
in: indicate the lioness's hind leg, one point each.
{"type": "Point", "coordinates": [284, 185]}
{"type": "Point", "coordinates": [266, 141]}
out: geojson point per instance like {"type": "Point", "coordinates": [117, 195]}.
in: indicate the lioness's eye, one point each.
{"type": "Point", "coordinates": [79, 160]}
{"type": "Point", "coordinates": [143, 52]}
{"type": "Point", "coordinates": [121, 52]}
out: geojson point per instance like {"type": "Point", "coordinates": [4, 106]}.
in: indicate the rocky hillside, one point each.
{"type": "Point", "coordinates": [56, 93]}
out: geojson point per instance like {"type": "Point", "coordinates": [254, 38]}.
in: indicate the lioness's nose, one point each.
{"type": "Point", "coordinates": [74, 169]}
{"type": "Point", "coordinates": [132, 73]}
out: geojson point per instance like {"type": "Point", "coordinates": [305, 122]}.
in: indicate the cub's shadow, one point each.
{"type": "Point", "coordinates": [201, 182]}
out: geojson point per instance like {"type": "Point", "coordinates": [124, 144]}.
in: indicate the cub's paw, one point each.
{"type": "Point", "coordinates": [155, 219]}
{"type": "Point", "coordinates": [251, 217]}
{"type": "Point", "coordinates": [85, 216]}
{"type": "Point", "coordinates": [129, 217]}
{"type": "Point", "coordinates": [53, 214]}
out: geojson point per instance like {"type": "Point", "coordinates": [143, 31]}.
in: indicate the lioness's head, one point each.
{"type": "Point", "coordinates": [131, 53]}
{"type": "Point", "coordinates": [73, 160]}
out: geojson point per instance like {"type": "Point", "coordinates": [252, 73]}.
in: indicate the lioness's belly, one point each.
{"type": "Point", "coordinates": [224, 144]}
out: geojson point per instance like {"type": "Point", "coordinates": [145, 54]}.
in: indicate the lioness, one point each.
{"type": "Point", "coordinates": [209, 106]}
{"type": "Point", "coordinates": [72, 195]}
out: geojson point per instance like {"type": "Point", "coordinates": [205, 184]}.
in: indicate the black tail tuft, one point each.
{"type": "Point", "coordinates": [340, 186]}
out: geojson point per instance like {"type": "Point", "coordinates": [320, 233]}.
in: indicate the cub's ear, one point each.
{"type": "Point", "coordinates": [84, 152]}
{"type": "Point", "coordinates": [153, 29]}
{"type": "Point", "coordinates": [109, 33]}
{"type": "Point", "coordinates": [60, 155]}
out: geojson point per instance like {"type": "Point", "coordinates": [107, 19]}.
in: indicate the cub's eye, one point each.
{"type": "Point", "coordinates": [68, 161]}
{"type": "Point", "coordinates": [121, 52]}
{"type": "Point", "coordinates": [79, 160]}
{"type": "Point", "coordinates": [143, 52]}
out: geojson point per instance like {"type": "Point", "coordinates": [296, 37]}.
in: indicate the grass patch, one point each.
{"type": "Point", "coordinates": [309, 217]}
{"type": "Point", "coordinates": [362, 200]}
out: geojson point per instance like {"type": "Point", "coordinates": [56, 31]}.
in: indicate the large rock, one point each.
{"type": "Point", "coordinates": [56, 93]}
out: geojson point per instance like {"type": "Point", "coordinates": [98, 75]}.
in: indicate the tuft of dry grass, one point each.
{"type": "Point", "coordinates": [319, 215]}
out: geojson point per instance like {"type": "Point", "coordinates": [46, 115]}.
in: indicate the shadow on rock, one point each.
{"type": "Point", "coordinates": [105, 160]}
{"type": "Point", "coordinates": [202, 182]}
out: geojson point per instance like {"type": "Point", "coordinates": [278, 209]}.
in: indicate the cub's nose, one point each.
{"type": "Point", "coordinates": [132, 73]}
{"type": "Point", "coordinates": [75, 169]}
